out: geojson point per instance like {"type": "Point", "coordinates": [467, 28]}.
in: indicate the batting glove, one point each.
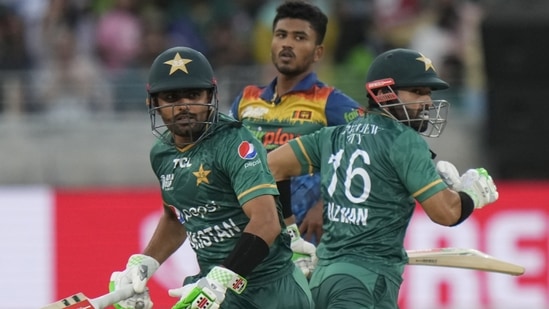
{"type": "Point", "coordinates": [478, 184]}
{"type": "Point", "coordinates": [449, 174]}
{"type": "Point", "coordinates": [208, 292]}
{"type": "Point", "coordinates": [138, 271]}
{"type": "Point", "coordinates": [304, 256]}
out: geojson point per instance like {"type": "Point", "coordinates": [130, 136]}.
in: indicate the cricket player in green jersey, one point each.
{"type": "Point", "coordinates": [373, 170]}
{"type": "Point", "coordinates": [219, 193]}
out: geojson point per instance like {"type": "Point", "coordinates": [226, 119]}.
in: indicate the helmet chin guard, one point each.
{"type": "Point", "coordinates": [198, 130]}
{"type": "Point", "coordinates": [429, 121]}
{"type": "Point", "coordinates": [402, 68]}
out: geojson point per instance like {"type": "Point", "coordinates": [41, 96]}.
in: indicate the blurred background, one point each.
{"type": "Point", "coordinates": [73, 74]}
{"type": "Point", "coordinates": [73, 115]}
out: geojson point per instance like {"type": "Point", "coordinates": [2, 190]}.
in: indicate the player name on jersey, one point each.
{"type": "Point", "coordinates": [349, 215]}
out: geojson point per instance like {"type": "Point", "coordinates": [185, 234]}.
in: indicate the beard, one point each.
{"type": "Point", "coordinates": [188, 126]}
{"type": "Point", "coordinates": [292, 67]}
{"type": "Point", "coordinates": [289, 70]}
{"type": "Point", "coordinates": [416, 119]}
{"type": "Point", "coordinates": [192, 131]}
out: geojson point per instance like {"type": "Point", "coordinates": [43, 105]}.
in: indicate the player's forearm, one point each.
{"type": "Point", "coordinates": [167, 238]}
{"type": "Point", "coordinates": [266, 230]}
{"type": "Point", "coordinates": [443, 207]}
{"type": "Point", "coordinates": [264, 219]}
{"type": "Point", "coordinates": [283, 163]}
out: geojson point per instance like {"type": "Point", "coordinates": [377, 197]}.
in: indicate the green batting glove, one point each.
{"type": "Point", "coordinates": [197, 298]}
{"type": "Point", "coordinates": [208, 292]}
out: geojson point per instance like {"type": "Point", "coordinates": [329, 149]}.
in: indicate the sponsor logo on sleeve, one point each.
{"type": "Point", "coordinates": [246, 151]}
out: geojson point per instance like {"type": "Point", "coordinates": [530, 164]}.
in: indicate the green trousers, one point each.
{"type": "Point", "coordinates": [345, 285]}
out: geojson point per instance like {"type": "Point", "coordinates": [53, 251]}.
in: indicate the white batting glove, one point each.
{"type": "Point", "coordinates": [304, 256]}
{"type": "Point", "coordinates": [449, 174]}
{"type": "Point", "coordinates": [208, 292]}
{"type": "Point", "coordinates": [478, 184]}
{"type": "Point", "coordinates": [138, 271]}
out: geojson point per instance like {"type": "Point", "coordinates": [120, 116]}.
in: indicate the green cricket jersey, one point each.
{"type": "Point", "coordinates": [372, 170]}
{"type": "Point", "coordinates": [206, 185]}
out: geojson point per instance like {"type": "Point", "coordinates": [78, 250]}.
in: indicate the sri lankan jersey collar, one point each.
{"type": "Point", "coordinates": [305, 84]}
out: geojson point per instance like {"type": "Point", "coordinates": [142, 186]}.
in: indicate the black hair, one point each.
{"type": "Point", "coordinates": [304, 11]}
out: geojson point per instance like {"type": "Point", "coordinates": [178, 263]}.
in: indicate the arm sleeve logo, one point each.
{"type": "Point", "coordinates": [246, 151]}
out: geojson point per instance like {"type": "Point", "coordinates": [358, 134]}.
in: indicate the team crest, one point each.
{"type": "Point", "coordinates": [246, 151]}
{"type": "Point", "coordinates": [178, 63]}
{"type": "Point", "coordinates": [201, 175]}
{"type": "Point", "coordinates": [428, 63]}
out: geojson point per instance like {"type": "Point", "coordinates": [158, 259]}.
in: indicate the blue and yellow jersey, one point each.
{"type": "Point", "coordinates": [308, 107]}
{"type": "Point", "coordinates": [274, 120]}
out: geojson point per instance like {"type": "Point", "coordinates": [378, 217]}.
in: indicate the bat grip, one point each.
{"type": "Point", "coordinates": [111, 298]}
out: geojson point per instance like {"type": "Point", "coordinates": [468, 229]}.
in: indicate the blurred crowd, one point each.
{"type": "Point", "coordinates": [68, 58]}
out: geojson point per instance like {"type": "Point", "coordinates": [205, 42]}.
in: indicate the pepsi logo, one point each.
{"type": "Point", "coordinates": [246, 150]}
{"type": "Point", "coordinates": [177, 213]}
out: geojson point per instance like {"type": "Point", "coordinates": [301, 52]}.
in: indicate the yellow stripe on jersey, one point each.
{"type": "Point", "coordinates": [427, 187]}
{"type": "Point", "coordinates": [304, 152]}
{"type": "Point", "coordinates": [263, 186]}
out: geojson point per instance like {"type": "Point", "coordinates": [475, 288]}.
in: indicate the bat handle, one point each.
{"type": "Point", "coordinates": [111, 298]}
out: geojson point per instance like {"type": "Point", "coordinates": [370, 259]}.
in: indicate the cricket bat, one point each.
{"type": "Point", "coordinates": [463, 258]}
{"type": "Point", "coordinates": [80, 301]}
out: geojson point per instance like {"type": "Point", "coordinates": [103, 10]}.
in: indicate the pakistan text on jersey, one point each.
{"type": "Point", "coordinates": [349, 215]}
{"type": "Point", "coordinates": [213, 234]}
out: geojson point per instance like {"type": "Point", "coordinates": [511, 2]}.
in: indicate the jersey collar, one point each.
{"type": "Point", "coordinates": [305, 84]}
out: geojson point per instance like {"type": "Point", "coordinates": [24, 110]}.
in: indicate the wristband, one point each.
{"type": "Point", "coordinates": [247, 254]}
{"type": "Point", "coordinates": [467, 207]}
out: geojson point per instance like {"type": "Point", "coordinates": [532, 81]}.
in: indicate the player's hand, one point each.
{"type": "Point", "coordinates": [311, 227]}
{"type": "Point", "coordinates": [208, 292]}
{"type": "Point", "coordinates": [304, 255]}
{"type": "Point", "coordinates": [478, 184]}
{"type": "Point", "coordinates": [138, 271]}
{"type": "Point", "coordinates": [449, 174]}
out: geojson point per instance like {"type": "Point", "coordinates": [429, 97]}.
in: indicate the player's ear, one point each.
{"type": "Point", "coordinates": [151, 101]}
{"type": "Point", "coordinates": [319, 52]}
